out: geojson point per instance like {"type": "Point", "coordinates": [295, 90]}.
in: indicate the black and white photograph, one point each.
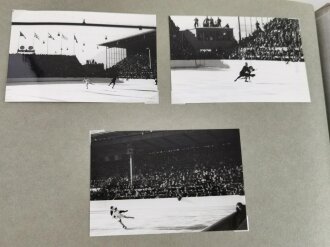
{"type": "Point", "coordinates": [236, 59]}
{"type": "Point", "coordinates": [70, 56]}
{"type": "Point", "coordinates": [166, 181]}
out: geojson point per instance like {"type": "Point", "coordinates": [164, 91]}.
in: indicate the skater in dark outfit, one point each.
{"type": "Point", "coordinates": [246, 72]}
{"type": "Point", "coordinates": [114, 78]}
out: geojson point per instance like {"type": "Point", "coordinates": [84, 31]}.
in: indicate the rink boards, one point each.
{"type": "Point", "coordinates": [157, 216]}
{"type": "Point", "coordinates": [125, 91]}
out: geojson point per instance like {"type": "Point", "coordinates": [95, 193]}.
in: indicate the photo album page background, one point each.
{"type": "Point", "coordinates": [57, 186]}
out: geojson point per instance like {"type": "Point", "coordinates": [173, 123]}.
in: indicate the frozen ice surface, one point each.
{"type": "Point", "coordinates": [157, 216]}
{"type": "Point", "coordinates": [275, 81]}
{"type": "Point", "coordinates": [131, 91]}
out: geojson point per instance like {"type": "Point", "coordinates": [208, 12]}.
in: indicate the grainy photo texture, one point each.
{"type": "Point", "coordinates": [154, 182]}
{"type": "Point", "coordinates": [236, 59]}
{"type": "Point", "coordinates": [66, 56]}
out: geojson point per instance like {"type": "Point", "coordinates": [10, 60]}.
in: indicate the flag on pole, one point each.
{"type": "Point", "coordinates": [22, 35]}
{"type": "Point", "coordinates": [63, 37]}
{"type": "Point", "coordinates": [36, 36]}
{"type": "Point", "coordinates": [75, 38]}
{"type": "Point", "coordinates": [50, 36]}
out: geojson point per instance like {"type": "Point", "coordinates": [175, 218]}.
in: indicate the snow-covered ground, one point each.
{"type": "Point", "coordinates": [157, 216]}
{"type": "Point", "coordinates": [131, 91]}
{"type": "Point", "coordinates": [275, 81]}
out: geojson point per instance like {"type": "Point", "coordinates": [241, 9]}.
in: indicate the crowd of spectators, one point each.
{"type": "Point", "coordinates": [181, 173]}
{"type": "Point", "coordinates": [137, 66]}
{"type": "Point", "coordinates": [279, 39]}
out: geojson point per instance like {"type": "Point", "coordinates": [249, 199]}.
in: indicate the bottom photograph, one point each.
{"type": "Point", "coordinates": [169, 181]}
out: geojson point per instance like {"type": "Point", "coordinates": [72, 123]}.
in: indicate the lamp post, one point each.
{"type": "Point", "coordinates": [130, 153]}
{"type": "Point", "coordinates": [149, 57]}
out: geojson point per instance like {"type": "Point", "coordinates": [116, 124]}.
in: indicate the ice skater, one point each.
{"type": "Point", "coordinates": [246, 72]}
{"type": "Point", "coordinates": [118, 215]}
{"type": "Point", "coordinates": [87, 82]}
{"type": "Point", "coordinates": [114, 78]}
{"type": "Point", "coordinates": [113, 81]}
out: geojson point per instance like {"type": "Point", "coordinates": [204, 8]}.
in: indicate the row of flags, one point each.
{"type": "Point", "coordinates": [59, 37]}
{"type": "Point", "coordinates": [21, 34]}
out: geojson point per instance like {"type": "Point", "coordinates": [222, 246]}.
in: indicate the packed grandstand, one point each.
{"type": "Point", "coordinates": [197, 171]}
{"type": "Point", "coordinates": [279, 39]}
{"type": "Point", "coordinates": [136, 66]}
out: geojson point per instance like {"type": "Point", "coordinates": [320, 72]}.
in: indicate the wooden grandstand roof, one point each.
{"type": "Point", "coordinates": [133, 40]}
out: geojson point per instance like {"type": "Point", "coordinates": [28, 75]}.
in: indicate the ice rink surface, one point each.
{"type": "Point", "coordinates": [275, 81]}
{"type": "Point", "coordinates": [125, 91]}
{"type": "Point", "coordinates": [157, 216]}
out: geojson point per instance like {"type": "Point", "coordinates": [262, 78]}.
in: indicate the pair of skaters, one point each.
{"type": "Point", "coordinates": [246, 72]}
{"type": "Point", "coordinates": [119, 214]}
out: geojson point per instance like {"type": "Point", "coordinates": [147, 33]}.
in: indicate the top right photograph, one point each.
{"type": "Point", "coordinates": [218, 59]}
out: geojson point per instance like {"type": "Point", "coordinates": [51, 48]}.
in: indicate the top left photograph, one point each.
{"type": "Point", "coordinates": [65, 56]}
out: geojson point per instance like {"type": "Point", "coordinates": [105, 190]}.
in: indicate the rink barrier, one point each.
{"type": "Point", "coordinates": [54, 79]}
{"type": "Point", "coordinates": [195, 63]}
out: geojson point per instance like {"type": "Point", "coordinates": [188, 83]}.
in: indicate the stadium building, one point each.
{"type": "Point", "coordinates": [200, 42]}
{"type": "Point", "coordinates": [133, 56]}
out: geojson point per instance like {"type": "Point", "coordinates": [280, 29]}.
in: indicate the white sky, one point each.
{"type": "Point", "coordinates": [187, 22]}
{"type": "Point", "coordinates": [90, 36]}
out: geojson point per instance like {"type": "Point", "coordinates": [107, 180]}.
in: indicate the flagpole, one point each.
{"type": "Point", "coordinates": [61, 45]}
{"type": "Point", "coordinates": [74, 46]}
{"type": "Point", "coordinates": [239, 30]}
{"type": "Point", "coordinates": [47, 44]}
{"type": "Point", "coordinates": [19, 37]}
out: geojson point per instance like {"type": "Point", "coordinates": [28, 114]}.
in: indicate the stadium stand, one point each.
{"type": "Point", "coordinates": [94, 69]}
{"type": "Point", "coordinates": [136, 66]}
{"type": "Point", "coordinates": [37, 66]}
{"type": "Point", "coordinates": [279, 40]}
{"type": "Point", "coordinates": [198, 171]}
{"type": "Point", "coordinates": [140, 49]}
